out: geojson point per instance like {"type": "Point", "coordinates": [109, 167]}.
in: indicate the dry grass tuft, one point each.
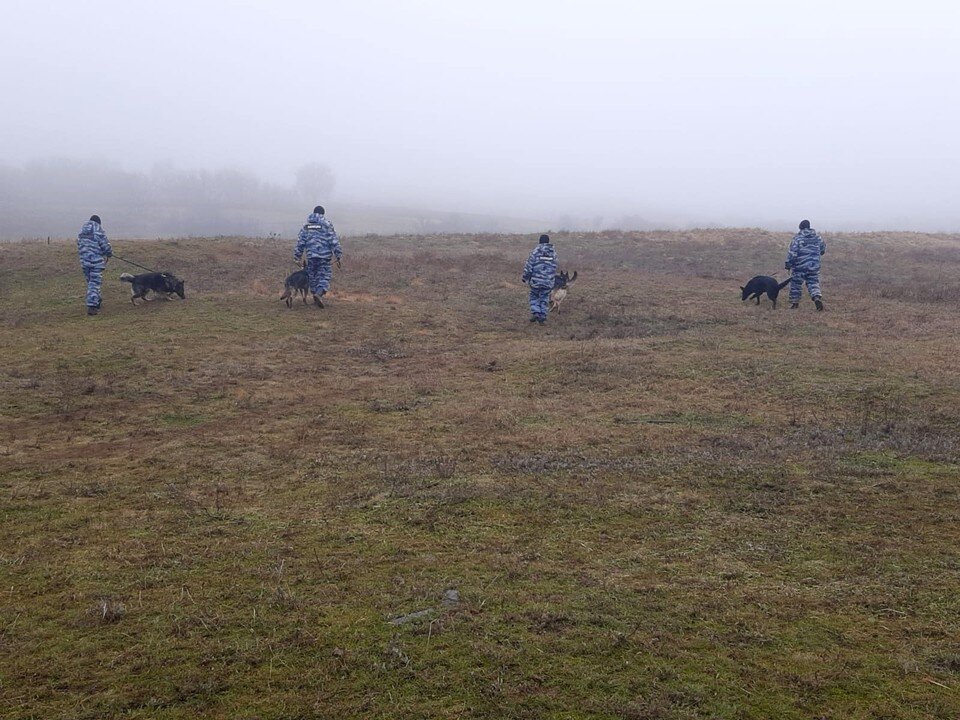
{"type": "Point", "coordinates": [108, 610]}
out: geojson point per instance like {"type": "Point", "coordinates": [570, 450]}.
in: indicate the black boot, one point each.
{"type": "Point", "coordinates": [794, 306]}
{"type": "Point", "coordinates": [819, 303]}
{"type": "Point", "coordinates": [93, 309]}
{"type": "Point", "coordinates": [317, 301]}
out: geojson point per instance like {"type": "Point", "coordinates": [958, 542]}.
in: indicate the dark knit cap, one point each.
{"type": "Point", "coordinates": [805, 225]}
{"type": "Point", "coordinates": [318, 210]}
{"type": "Point", "coordinates": [96, 219]}
{"type": "Point", "coordinates": [544, 238]}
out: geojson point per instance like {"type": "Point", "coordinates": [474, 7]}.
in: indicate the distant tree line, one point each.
{"type": "Point", "coordinates": [53, 197]}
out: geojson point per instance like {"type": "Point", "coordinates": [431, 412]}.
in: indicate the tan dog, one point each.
{"type": "Point", "coordinates": [559, 292]}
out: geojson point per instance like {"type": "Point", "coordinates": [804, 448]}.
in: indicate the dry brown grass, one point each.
{"type": "Point", "coordinates": [662, 504]}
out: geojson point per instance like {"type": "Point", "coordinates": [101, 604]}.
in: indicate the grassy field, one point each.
{"type": "Point", "coordinates": [662, 504]}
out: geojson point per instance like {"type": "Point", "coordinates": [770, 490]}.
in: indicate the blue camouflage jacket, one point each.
{"type": "Point", "coordinates": [541, 266]}
{"type": "Point", "coordinates": [92, 244]}
{"type": "Point", "coordinates": [805, 251]}
{"type": "Point", "coordinates": [318, 240]}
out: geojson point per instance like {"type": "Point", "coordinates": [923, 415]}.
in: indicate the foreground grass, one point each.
{"type": "Point", "coordinates": [663, 504]}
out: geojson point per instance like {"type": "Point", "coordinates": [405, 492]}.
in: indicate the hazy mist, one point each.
{"type": "Point", "coordinates": [195, 117]}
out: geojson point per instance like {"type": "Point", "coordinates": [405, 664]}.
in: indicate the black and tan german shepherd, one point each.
{"type": "Point", "coordinates": [162, 284]}
{"type": "Point", "coordinates": [297, 282]}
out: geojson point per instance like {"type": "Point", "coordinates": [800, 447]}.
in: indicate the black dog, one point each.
{"type": "Point", "coordinates": [158, 283]}
{"type": "Point", "coordinates": [298, 282]}
{"type": "Point", "coordinates": [763, 284]}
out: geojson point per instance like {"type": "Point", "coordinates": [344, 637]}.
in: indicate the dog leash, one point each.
{"type": "Point", "coordinates": [131, 262]}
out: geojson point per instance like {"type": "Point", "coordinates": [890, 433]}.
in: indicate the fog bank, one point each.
{"type": "Point", "coordinates": [505, 115]}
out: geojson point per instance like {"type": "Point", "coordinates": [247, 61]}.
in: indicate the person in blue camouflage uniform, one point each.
{"type": "Point", "coordinates": [803, 260]}
{"type": "Point", "coordinates": [539, 272]}
{"type": "Point", "coordinates": [95, 250]}
{"type": "Point", "coordinates": [319, 241]}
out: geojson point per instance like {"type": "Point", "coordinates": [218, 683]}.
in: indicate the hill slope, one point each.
{"type": "Point", "coordinates": [663, 504]}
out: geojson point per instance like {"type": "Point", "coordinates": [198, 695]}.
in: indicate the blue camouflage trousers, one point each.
{"type": "Point", "coordinates": [799, 277]}
{"type": "Point", "coordinates": [320, 273]}
{"type": "Point", "coordinates": [94, 276]}
{"type": "Point", "coordinates": [539, 301]}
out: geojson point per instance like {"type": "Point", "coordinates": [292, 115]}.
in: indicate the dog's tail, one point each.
{"type": "Point", "coordinates": [286, 292]}
{"type": "Point", "coordinates": [572, 277]}
{"type": "Point", "coordinates": [782, 285]}
{"type": "Point", "coordinates": [126, 277]}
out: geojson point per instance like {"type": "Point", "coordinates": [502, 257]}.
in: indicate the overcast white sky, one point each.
{"type": "Point", "coordinates": [736, 112]}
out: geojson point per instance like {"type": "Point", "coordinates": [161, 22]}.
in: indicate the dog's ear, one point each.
{"type": "Point", "coordinates": [741, 288]}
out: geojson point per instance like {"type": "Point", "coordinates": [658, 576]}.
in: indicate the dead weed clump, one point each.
{"type": "Point", "coordinates": [406, 477]}
{"type": "Point", "coordinates": [380, 351]}
{"type": "Point", "coordinates": [285, 599]}
{"type": "Point", "coordinates": [107, 610]}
